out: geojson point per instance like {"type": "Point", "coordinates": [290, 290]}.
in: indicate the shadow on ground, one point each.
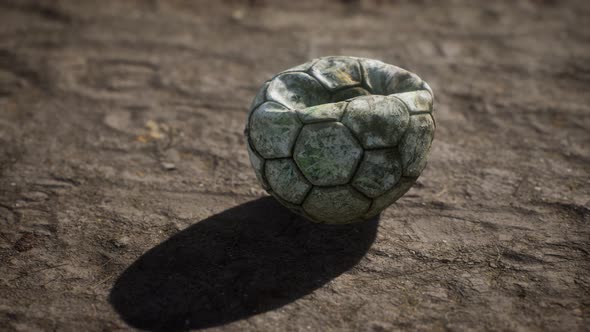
{"type": "Point", "coordinates": [249, 259]}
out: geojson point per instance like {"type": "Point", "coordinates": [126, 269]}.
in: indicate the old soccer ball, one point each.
{"type": "Point", "coordinates": [338, 139]}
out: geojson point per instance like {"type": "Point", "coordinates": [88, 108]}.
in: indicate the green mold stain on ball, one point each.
{"type": "Point", "coordinates": [339, 139]}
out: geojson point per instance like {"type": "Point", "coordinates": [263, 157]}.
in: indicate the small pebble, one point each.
{"type": "Point", "coordinates": [122, 242]}
{"type": "Point", "coordinates": [168, 166]}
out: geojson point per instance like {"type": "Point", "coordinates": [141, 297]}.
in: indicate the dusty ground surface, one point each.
{"type": "Point", "coordinates": [98, 233]}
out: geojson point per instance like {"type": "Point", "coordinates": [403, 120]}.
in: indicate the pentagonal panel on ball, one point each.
{"type": "Point", "coordinates": [378, 172]}
{"type": "Point", "coordinates": [297, 90]}
{"type": "Point", "coordinates": [273, 130]}
{"type": "Point", "coordinates": [327, 153]}
{"type": "Point", "coordinates": [286, 180]}
{"type": "Point", "coordinates": [335, 205]}
{"type": "Point", "coordinates": [337, 72]}
{"type": "Point", "coordinates": [378, 121]}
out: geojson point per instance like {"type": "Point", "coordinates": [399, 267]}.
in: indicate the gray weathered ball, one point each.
{"type": "Point", "coordinates": [338, 139]}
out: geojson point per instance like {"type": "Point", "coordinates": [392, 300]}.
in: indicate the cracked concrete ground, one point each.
{"type": "Point", "coordinates": [127, 199]}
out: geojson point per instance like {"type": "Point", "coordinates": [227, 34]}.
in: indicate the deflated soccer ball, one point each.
{"type": "Point", "coordinates": [338, 139]}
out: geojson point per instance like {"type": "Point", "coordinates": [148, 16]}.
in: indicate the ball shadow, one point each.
{"type": "Point", "coordinates": [249, 259]}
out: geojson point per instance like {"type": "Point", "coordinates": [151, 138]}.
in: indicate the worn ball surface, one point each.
{"type": "Point", "coordinates": [339, 139]}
